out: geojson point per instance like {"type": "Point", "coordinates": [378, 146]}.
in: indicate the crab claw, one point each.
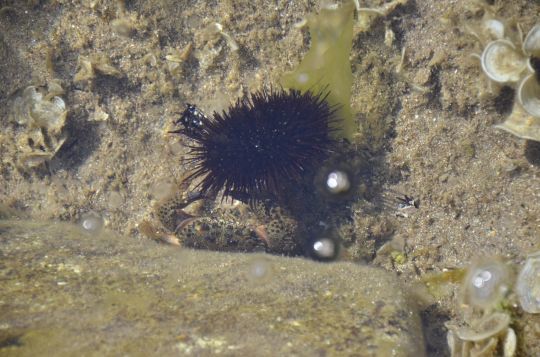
{"type": "Point", "coordinates": [260, 231]}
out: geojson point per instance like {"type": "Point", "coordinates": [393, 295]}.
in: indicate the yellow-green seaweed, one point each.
{"type": "Point", "coordinates": [326, 66]}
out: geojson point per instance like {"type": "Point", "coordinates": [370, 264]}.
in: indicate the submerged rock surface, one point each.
{"type": "Point", "coordinates": [65, 292]}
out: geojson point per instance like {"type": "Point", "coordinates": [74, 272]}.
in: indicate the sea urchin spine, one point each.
{"type": "Point", "coordinates": [264, 141]}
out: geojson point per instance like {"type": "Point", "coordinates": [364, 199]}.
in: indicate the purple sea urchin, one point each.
{"type": "Point", "coordinates": [264, 141]}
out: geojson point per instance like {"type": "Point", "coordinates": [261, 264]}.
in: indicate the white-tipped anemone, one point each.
{"type": "Point", "coordinates": [502, 63]}
{"type": "Point", "coordinates": [528, 285]}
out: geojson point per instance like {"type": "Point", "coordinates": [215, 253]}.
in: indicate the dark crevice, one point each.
{"type": "Point", "coordinates": [504, 101]}
{"type": "Point", "coordinates": [532, 152]}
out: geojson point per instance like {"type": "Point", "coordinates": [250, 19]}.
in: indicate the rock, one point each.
{"type": "Point", "coordinates": [67, 292]}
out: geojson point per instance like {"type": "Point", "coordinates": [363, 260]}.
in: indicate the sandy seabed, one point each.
{"type": "Point", "coordinates": [129, 67]}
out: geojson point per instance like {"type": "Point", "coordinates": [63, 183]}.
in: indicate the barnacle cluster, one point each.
{"type": "Point", "coordinates": [511, 60]}
{"type": "Point", "coordinates": [482, 337]}
{"type": "Point", "coordinates": [484, 330]}
{"type": "Point", "coordinates": [487, 288]}
{"type": "Point", "coordinates": [40, 115]}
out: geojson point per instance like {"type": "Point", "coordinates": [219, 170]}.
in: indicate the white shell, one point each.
{"type": "Point", "coordinates": [521, 124]}
{"type": "Point", "coordinates": [531, 44]}
{"type": "Point", "coordinates": [529, 95]}
{"type": "Point", "coordinates": [528, 285]}
{"type": "Point", "coordinates": [501, 61]}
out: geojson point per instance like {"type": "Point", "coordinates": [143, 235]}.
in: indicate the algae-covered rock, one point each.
{"type": "Point", "coordinates": [326, 67]}
{"type": "Point", "coordinates": [65, 292]}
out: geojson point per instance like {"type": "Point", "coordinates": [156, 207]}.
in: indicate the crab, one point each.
{"type": "Point", "coordinates": [222, 227]}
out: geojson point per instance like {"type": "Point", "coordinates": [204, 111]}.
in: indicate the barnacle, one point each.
{"type": "Point", "coordinates": [502, 62]}
{"type": "Point", "coordinates": [510, 62]}
{"type": "Point", "coordinates": [528, 284]}
{"type": "Point", "coordinates": [41, 116]}
{"type": "Point", "coordinates": [482, 337]}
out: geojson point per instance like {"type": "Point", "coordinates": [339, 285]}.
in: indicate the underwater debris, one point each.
{"type": "Point", "coordinates": [128, 24]}
{"type": "Point", "coordinates": [209, 45]}
{"type": "Point", "coordinates": [177, 57]}
{"type": "Point", "coordinates": [98, 114]}
{"type": "Point", "coordinates": [88, 66]}
{"type": "Point", "coordinates": [486, 284]}
{"type": "Point", "coordinates": [406, 205]}
{"type": "Point", "coordinates": [43, 116]}
{"type": "Point", "coordinates": [366, 15]}
{"type": "Point", "coordinates": [528, 284]}
{"type": "Point", "coordinates": [217, 28]}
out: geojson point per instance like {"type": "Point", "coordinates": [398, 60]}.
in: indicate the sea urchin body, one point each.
{"type": "Point", "coordinates": [262, 142]}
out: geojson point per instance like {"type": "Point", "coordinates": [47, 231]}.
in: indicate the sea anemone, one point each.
{"type": "Point", "coordinates": [261, 143]}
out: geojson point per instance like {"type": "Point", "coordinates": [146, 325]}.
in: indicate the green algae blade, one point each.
{"type": "Point", "coordinates": [326, 67]}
